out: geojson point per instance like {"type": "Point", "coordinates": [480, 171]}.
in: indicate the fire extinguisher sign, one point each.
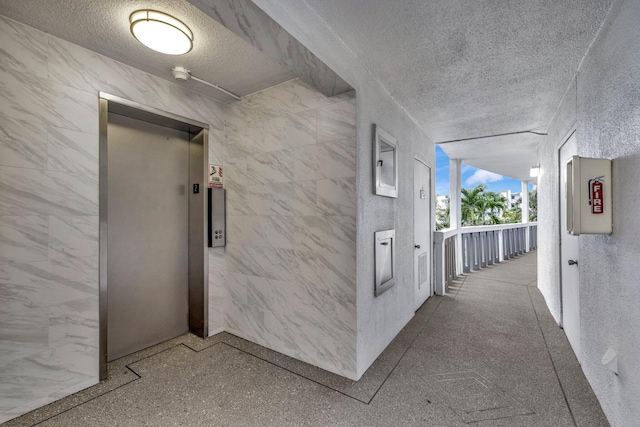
{"type": "Point", "coordinates": [596, 197]}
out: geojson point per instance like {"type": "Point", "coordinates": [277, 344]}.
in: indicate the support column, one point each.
{"type": "Point", "coordinates": [455, 206]}
{"type": "Point", "coordinates": [525, 211]}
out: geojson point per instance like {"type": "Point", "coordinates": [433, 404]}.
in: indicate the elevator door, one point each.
{"type": "Point", "coordinates": [148, 234]}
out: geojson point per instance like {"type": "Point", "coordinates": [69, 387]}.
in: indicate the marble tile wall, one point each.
{"type": "Point", "coordinates": [49, 207]}
{"type": "Point", "coordinates": [290, 260]}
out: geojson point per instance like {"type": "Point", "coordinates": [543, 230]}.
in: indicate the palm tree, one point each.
{"type": "Point", "coordinates": [472, 205]}
{"type": "Point", "coordinates": [494, 207]}
{"type": "Point", "coordinates": [481, 207]}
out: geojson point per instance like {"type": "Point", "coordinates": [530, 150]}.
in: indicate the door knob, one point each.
{"type": "Point", "coordinates": [573, 262]}
{"type": "Point", "coordinates": [416, 246]}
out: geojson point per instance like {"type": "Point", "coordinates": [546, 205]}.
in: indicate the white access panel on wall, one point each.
{"type": "Point", "coordinates": [588, 196]}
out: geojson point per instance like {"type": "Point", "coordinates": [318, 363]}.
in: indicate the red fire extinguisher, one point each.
{"type": "Point", "coordinates": [596, 197]}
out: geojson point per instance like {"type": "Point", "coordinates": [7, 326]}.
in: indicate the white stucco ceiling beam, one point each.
{"type": "Point", "coordinates": [257, 28]}
{"type": "Point", "coordinates": [507, 155]}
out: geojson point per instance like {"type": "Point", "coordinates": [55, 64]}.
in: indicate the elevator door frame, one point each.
{"type": "Point", "coordinates": [198, 252]}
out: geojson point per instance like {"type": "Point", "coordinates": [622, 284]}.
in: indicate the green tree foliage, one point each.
{"type": "Point", "coordinates": [442, 218]}
{"type": "Point", "coordinates": [482, 207]}
{"type": "Point", "coordinates": [533, 205]}
{"type": "Point", "coordinates": [514, 215]}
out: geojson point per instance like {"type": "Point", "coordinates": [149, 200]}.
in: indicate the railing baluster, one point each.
{"type": "Point", "coordinates": [465, 253]}
{"type": "Point", "coordinates": [482, 246]}
{"type": "Point", "coordinates": [475, 248]}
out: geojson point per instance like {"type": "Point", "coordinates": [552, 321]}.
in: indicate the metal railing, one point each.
{"type": "Point", "coordinates": [480, 246]}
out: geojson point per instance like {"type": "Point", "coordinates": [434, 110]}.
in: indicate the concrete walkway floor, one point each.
{"type": "Point", "coordinates": [487, 354]}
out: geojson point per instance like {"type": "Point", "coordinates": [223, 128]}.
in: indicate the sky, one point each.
{"type": "Point", "coordinates": [471, 177]}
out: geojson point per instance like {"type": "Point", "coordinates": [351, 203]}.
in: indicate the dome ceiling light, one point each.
{"type": "Point", "coordinates": [161, 32]}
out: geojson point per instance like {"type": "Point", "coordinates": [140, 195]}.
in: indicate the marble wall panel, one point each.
{"type": "Point", "coordinates": [79, 357]}
{"type": "Point", "coordinates": [337, 121]}
{"type": "Point", "coordinates": [216, 146]}
{"type": "Point", "coordinates": [289, 97]}
{"type": "Point", "coordinates": [23, 333]}
{"type": "Point", "coordinates": [23, 238]}
{"type": "Point", "coordinates": [217, 293]}
{"type": "Point", "coordinates": [25, 192]}
{"type": "Point", "coordinates": [72, 151]}
{"type": "Point", "coordinates": [73, 236]}
{"type": "Point", "coordinates": [24, 97]}
{"type": "Point", "coordinates": [236, 286]}
{"type": "Point", "coordinates": [79, 68]}
{"type": "Point", "coordinates": [73, 322]}
{"type": "Point", "coordinates": [31, 379]}
{"type": "Point", "coordinates": [337, 196]}
{"type": "Point", "coordinates": [23, 48]}
{"type": "Point", "coordinates": [292, 199]}
{"type": "Point", "coordinates": [272, 231]}
{"type": "Point", "coordinates": [332, 273]}
{"type": "Point", "coordinates": [245, 130]}
{"type": "Point", "coordinates": [328, 160]}
{"type": "Point", "coordinates": [326, 234]}
{"type": "Point", "coordinates": [290, 257]}
{"type": "Point", "coordinates": [25, 286]}
{"type": "Point", "coordinates": [275, 166]}
{"type": "Point", "coordinates": [245, 320]}
{"type": "Point", "coordinates": [73, 109]}
{"type": "Point", "coordinates": [216, 259]}
{"type": "Point", "coordinates": [22, 144]}
{"type": "Point", "coordinates": [196, 106]}
{"type": "Point", "coordinates": [294, 336]}
{"type": "Point", "coordinates": [295, 130]}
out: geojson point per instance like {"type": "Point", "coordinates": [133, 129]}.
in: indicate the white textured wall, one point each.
{"type": "Point", "coordinates": [548, 192]}
{"type": "Point", "coordinates": [49, 206]}
{"type": "Point", "coordinates": [289, 263]}
{"type": "Point", "coordinates": [606, 105]}
{"type": "Point", "coordinates": [378, 319]}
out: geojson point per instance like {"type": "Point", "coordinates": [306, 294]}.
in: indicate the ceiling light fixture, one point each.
{"type": "Point", "coordinates": [161, 32]}
{"type": "Point", "coordinates": [534, 171]}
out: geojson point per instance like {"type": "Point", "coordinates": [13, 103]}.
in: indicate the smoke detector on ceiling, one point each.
{"type": "Point", "coordinates": [181, 73]}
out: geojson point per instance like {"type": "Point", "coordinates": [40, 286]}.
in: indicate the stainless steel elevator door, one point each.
{"type": "Point", "coordinates": [148, 235]}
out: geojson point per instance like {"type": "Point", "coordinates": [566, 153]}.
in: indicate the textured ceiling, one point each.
{"type": "Point", "coordinates": [467, 68]}
{"type": "Point", "coordinates": [218, 55]}
{"type": "Point", "coordinates": [472, 68]}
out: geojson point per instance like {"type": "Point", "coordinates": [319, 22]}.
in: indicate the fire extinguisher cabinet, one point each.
{"type": "Point", "coordinates": [589, 196]}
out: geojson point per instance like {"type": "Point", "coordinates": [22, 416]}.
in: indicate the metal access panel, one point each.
{"type": "Point", "coordinates": [217, 217]}
{"type": "Point", "coordinates": [385, 262]}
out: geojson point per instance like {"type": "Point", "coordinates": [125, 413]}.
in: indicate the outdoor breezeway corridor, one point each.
{"type": "Point", "coordinates": [486, 354]}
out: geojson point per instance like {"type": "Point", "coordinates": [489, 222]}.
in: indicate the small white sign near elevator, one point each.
{"type": "Point", "coordinates": [215, 176]}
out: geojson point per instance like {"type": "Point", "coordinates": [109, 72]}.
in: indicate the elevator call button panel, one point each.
{"type": "Point", "coordinates": [216, 217]}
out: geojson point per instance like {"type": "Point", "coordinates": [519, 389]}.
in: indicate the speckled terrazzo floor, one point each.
{"type": "Point", "coordinates": [487, 354]}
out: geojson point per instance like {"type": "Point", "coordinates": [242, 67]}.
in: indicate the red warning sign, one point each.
{"type": "Point", "coordinates": [596, 198]}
